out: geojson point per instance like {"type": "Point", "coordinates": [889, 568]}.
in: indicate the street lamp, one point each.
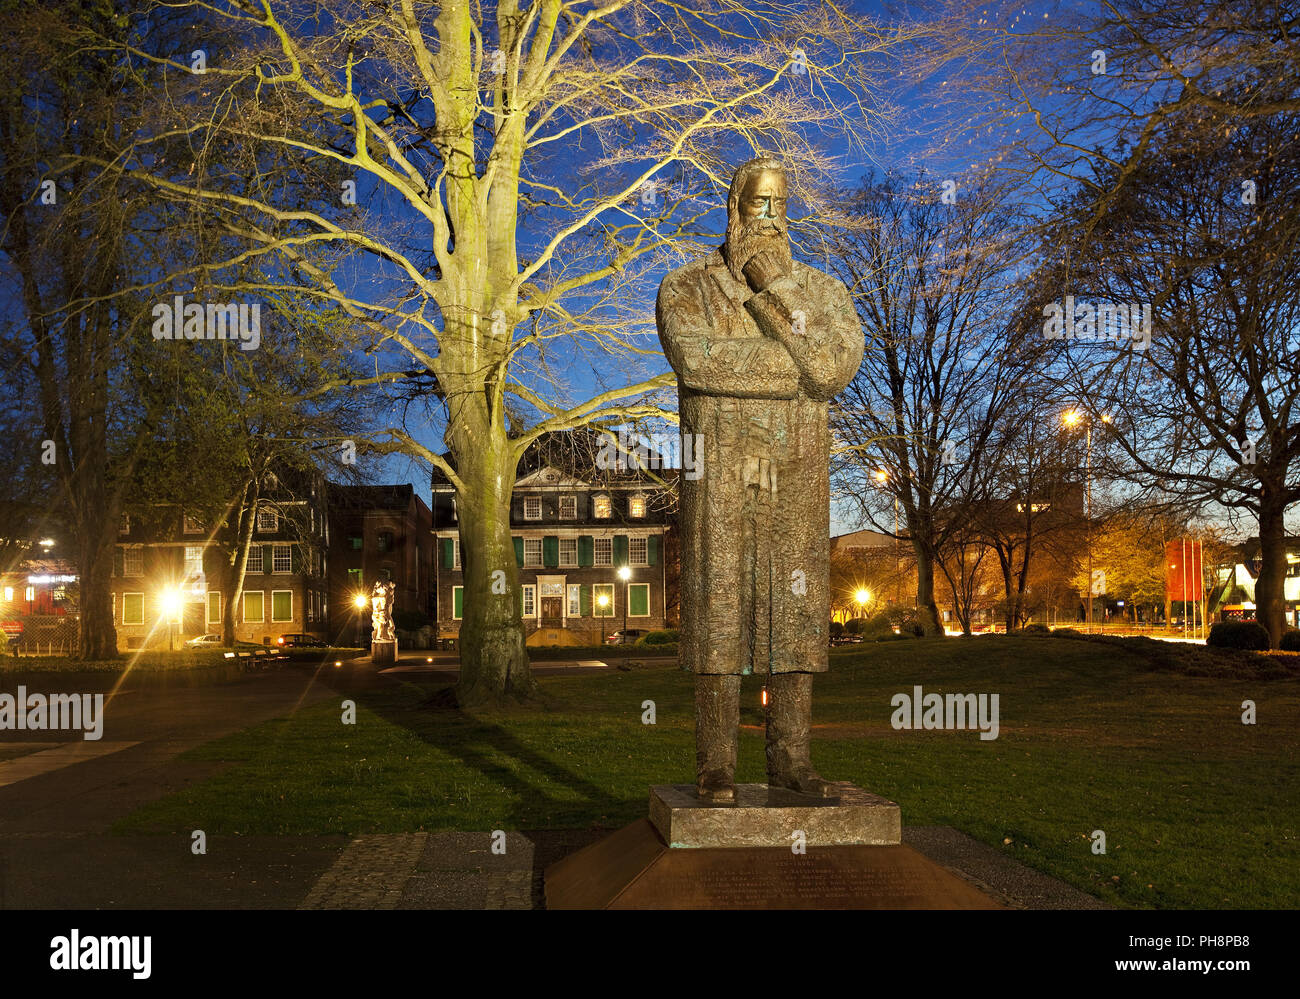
{"type": "Point", "coordinates": [1071, 418]}
{"type": "Point", "coordinates": [171, 605]}
{"type": "Point", "coordinates": [624, 574]}
{"type": "Point", "coordinates": [359, 602]}
{"type": "Point", "coordinates": [602, 602]}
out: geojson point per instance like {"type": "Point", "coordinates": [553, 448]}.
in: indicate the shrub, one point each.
{"type": "Point", "coordinates": [1033, 628]}
{"type": "Point", "coordinates": [1290, 640]}
{"type": "Point", "coordinates": [1238, 635]}
{"type": "Point", "coordinates": [1068, 633]}
{"type": "Point", "coordinates": [667, 636]}
{"type": "Point", "coordinates": [837, 629]}
{"type": "Point", "coordinates": [857, 626]}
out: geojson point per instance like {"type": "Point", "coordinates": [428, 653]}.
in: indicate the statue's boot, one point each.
{"type": "Point", "coordinates": [788, 733]}
{"type": "Point", "coordinates": [717, 722]}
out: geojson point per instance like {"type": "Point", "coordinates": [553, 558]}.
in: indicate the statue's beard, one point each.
{"type": "Point", "coordinates": [746, 239]}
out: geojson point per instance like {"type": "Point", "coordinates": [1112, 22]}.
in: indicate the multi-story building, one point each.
{"type": "Point", "coordinates": [173, 572]}
{"type": "Point", "coordinates": [378, 534]}
{"type": "Point", "coordinates": [574, 527]}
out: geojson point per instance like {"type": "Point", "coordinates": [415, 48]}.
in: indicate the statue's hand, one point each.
{"type": "Point", "coordinates": [763, 268]}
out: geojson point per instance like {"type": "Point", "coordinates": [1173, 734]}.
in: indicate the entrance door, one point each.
{"type": "Point", "coordinates": [551, 613]}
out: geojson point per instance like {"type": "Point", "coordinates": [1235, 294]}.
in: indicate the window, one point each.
{"type": "Point", "coordinates": [532, 508]}
{"type": "Point", "coordinates": [568, 551]}
{"type": "Point", "coordinates": [29, 594]}
{"type": "Point", "coordinates": [355, 542]}
{"type": "Point", "coordinates": [193, 573]}
{"type": "Point", "coordinates": [604, 551]}
{"type": "Point", "coordinates": [532, 551]}
{"type": "Point", "coordinates": [133, 608]}
{"type": "Point", "coordinates": [253, 610]}
{"type": "Point", "coordinates": [282, 605]}
{"type": "Point", "coordinates": [9, 594]}
{"type": "Point", "coordinates": [133, 561]}
{"type": "Point", "coordinates": [575, 600]}
{"type": "Point", "coordinates": [600, 506]}
{"type": "Point", "coordinates": [636, 551]}
{"type": "Point", "coordinates": [354, 579]}
{"type": "Point", "coordinates": [605, 590]}
{"type": "Point", "coordinates": [192, 525]}
{"type": "Point", "coordinates": [455, 552]}
{"type": "Point", "coordinates": [267, 521]}
{"type": "Point", "coordinates": [638, 599]}
{"type": "Point", "coordinates": [282, 558]}
{"type": "Point", "coordinates": [636, 506]}
{"type": "Point", "coordinates": [530, 601]}
{"type": "Point", "coordinates": [384, 542]}
{"type": "Point", "coordinates": [124, 525]}
{"type": "Point", "coordinates": [214, 606]}
{"type": "Point", "coordinates": [568, 507]}
{"type": "Point", "coordinates": [457, 602]}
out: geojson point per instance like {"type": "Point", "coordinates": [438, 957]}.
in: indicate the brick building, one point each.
{"type": "Point", "coordinates": [574, 527]}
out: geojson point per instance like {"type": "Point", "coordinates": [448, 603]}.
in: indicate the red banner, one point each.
{"type": "Point", "coordinates": [1184, 570]}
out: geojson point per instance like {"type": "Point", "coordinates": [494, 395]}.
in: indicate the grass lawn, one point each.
{"type": "Point", "coordinates": [1198, 809]}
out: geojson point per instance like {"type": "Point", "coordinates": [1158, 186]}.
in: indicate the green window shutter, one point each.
{"type": "Point", "coordinates": [586, 551]}
{"type": "Point", "coordinates": [652, 550]}
{"type": "Point", "coordinates": [620, 549]}
{"type": "Point", "coordinates": [214, 607]}
{"type": "Point", "coordinates": [282, 606]}
{"type": "Point", "coordinates": [550, 551]}
{"type": "Point", "coordinates": [584, 600]}
{"type": "Point", "coordinates": [519, 554]}
{"type": "Point", "coordinates": [458, 601]}
{"type": "Point", "coordinates": [295, 558]}
{"type": "Point", "coordinates": [119, 558]}
{"type": "Point", "coordinates": [448, 553]}
{"type": "Point", "coordinates": [638, 600]}
{"type": "Point", "coordinates": [267, 561]}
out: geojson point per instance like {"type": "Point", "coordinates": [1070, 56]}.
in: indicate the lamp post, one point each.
{"type": "Point", "coordinates": [1070, 418]}
{"type": "Point", "coordinates": [602, 602]}
{"type": "Point", "coordinates": [624, 574]}
{"type": "Point", "coordinates": [171, 603]}
{"type": "Point", "coordinates": [359, 602]}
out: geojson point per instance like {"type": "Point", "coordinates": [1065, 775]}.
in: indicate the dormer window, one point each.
{"type": "Point", "coordinates": [600, 507]}
{"type": "Point", "coordinates": [268, 521]}
{"type": "Point", "coordinates": [532, 508]}
{"type": "Point", "coordinates": [636, 506]}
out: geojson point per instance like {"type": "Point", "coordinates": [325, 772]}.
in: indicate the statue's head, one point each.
{"type": "Point", "coordinates": [756, 213]}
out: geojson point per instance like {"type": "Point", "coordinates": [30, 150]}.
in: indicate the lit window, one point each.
{"type": "Point", "coordinates": [575, 600]}
{"type": "Point", "coordinates": [30, 594]}
{"type": "Point", "coordinates": [636, 551]}
{"type": "Point", "coordinates": [636, 506]}
{"type": "Point", "coordinates": [532, 508]}
{"type": "Point", "coordinates": [133, 608]}
{"type": "Point", "coordinates": [9, 594]}
{"type": "Point", "coordinates": [282, 605]}
{"type": "Point", "coordinates": [530, 601]}
{"type": "Point", "coordinates": [568, 507]}
{"type": "Point", "coordinates": [282, 558]}
{"type": "Point", "coordinates": [253, 611]}
{"type": "Point", "coordinates": [568, 551]}
{"type": "Point", "coordinates": [133, 561]}
{"type": "Point", "coordinates": [457, 602]}
{"type": "Point", "coordinates": [532, 551]}
{"type": "Point", "coordinates": [600, 506]}
{"type": "Point", "coordinates": [124, 525]}
{"type": "Point", "coordinates": [214, 607]}
{"type": "Point", "coordinates": [604, 551]}
{"type": "Point", "coordinates": [455, 552]}
{"type": "Point", "coordinates": [267, 521]}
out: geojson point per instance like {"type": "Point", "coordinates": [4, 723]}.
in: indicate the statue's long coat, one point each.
{"type": "Point", "coordinates": [754, 376]}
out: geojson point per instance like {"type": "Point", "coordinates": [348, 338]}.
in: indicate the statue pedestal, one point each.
{"type": "Point", "coordinates": [768, 816]}
{"type": "Point", "coordinates": [383, 654]}
{"type": "Point", "coordinates": [739, 856]}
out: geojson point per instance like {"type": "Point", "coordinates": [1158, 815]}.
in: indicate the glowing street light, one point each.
{"type": "Point", "coordinates": [1071, 418]}
{"type": "Point", "coordinates": [602, 602]}
{"type": "Point", "coordinates": [359, 601]}
{"type": "Point", "coordinates": [171, 603]}
{"type": "Point", "coordinates": [624, 573]}
{"type": "Point", "coordinates": [862, 596]}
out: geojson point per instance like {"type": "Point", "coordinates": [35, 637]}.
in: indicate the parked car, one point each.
{"type": "Point", "coordinates": [628, 637]}
{"type": "Point", "coordinates": [300, 642]}
{"type": "Point", "coordinates": [204, 642]}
